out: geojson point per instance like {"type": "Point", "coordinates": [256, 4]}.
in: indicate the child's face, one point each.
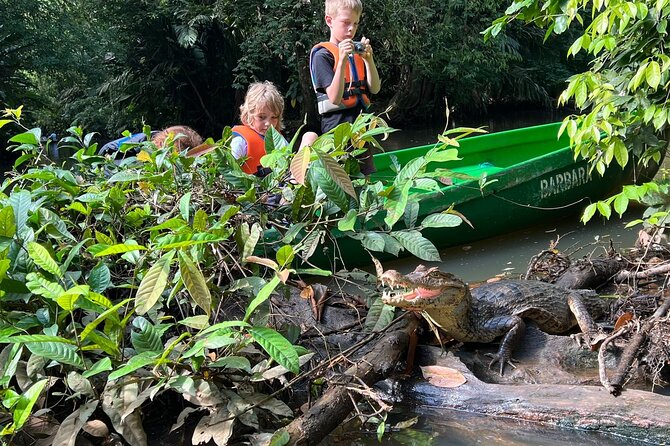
{"type": "Point", "coordinates": [263, 118]}
{"type": "Point", "coordinates": [343, 25]}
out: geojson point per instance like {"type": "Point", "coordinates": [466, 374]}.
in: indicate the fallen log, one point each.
{"type": "Point", "coordinates": [338, 401]}
{"type": "Point", "coordinates": [636, 414]}
{"type": "Point", "coordinates": [591, 273]}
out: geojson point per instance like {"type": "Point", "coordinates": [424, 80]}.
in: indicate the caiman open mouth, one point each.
{"type": "Point", "coordinates": [398, 290]}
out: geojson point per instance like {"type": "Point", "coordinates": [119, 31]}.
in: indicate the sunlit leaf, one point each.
{"type": "Point", "coordinates": [277, 346]}
{"type": "Point", "coordinates": [195, 283]}
{"type": "Point", "coordinates": [43, 259]}
{"type": "Point", "coordinates": [153, 284]}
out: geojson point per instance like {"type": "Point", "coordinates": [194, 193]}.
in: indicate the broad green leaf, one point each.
{"type": "Point", "coordinates": [441, 221]}
{"type": "Point", "coordinates": [249, 243]}
{"type": "Point", "coordinates": [148, 338]}
{"type": "Point", "coordinates": [337, 173]}
{"type": "Point", "coordinates": [589, 212]}
{"type": "Point", "coordinates": [330, 187]}
{"type": "Point", "coordinates": [136, 362]}
{"type": "Point", "coordinates": [32, 136]}
{"type": "Point", "coordinates": [41, 286]}
{"type": "Point", "coordinates": [68, 299]}
{"type": "Point", "coordinates": [124, 177]}
{"type": "Point", "coordinates": [262, 296]}
{"type": "Point", "coordinates": [57, 351]}
{"type": "Point", "coordinates": [103, 365]}
{"type": "Point", "coordinates": [185, 206]}
{"type": "Point", "coordinates": [415, 243]}
{"type": "Point", "coordinates": [395, 204]}
{"type": "Point", "coordinates": [604, 209]}
{"type": "Point", "coordinates": [232, 362]}
{"type": "Point", "coordinates": [372, 241]}
{"type": "Point", "coordinates": [119, 249]}
{"type": "Point", "coordinates": [103, 316]}
{"type": "Point", "coordinates": [24, 407]}
{"type": "Point", "coordinates": [7, 222]}
{"type": "Point", "coordinates": [153, 284]}
{"type": "Point", "coordinates": [391, 245]}
{"type": "Point", "coordinates": [348, 222]}
{"type": "Point", "coordinates": [21, 202]}
{"type": "Point", "coordinates": [38, 338]}
{"type": "Point", "coordinates": [653, 74]}
{"type": "Point", "coordinates": [285, 255]}
{"type": "Point", "coordinates": [198, 322]}
{"type": "Point", "coordinates": [100, 278]}
{"type": "Point", "coordinates": [379, 316]}
{"type": "Point", "coordinates": [278, 347]}
{"type": "Point", "coordinates": [621, 204]}
{"type": "Point", "coordinates": [195, 282]}
{"type": "Point", "coordinates": [200, 220]}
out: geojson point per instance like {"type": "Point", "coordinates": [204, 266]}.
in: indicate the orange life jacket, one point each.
{"type": "Point", "coordinates": [355, 82]}
{"type": "Point", "coordinates": [255, 147]}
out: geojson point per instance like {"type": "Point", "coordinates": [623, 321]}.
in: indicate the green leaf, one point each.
{"type": "Point", "coordinates": [330, 187]}
{"type": "Point", "coordinates": [251, 241]}
{"type": "Point", "coordinates": [41, 286]}
{"type": "Point", "coordinates": [198, 322]}
{"type": "Point", "coordinates": [278, 347]}
{"type": "Point", "coordinates": [604, 209]}
{"type": "Point", "coordinates": [185, 206]}
{"type": "Point", "coordinates": [232, 362]}
{"type": "Point", "coordinates": [653, 74]}
{"type": "Point", "coordinates": [68, 299]}
{"type": "Point", "coordinates": [7, 222]}
{"type": "Point", "coordinates": [24, 407]}
{"type": "Point", "coordinates": [621, 204]}
{"type": "Point", "coordinates": [103, 316]}
{"type": "Point", "coordinates": [43, 259]}
{"type": "Point", "coordinates": [120, 249]}
{"type": "Point", "coordinates": [32, 136]}
{"type": "Point", "coordinates": [195, 282]}
{"type": "Point", "coordinates": [148, 339]}
{"type": "Point", "coordinates": [348, 221]}
{"type": "Point", "coordinates": [337, 173]}
{"type": "Point", "coordinates": [372, 241]}
{"type": "Point", "coordinates": [21, 202]}
{"type": "Point", "coordinates": [136, 362]}
{"type": "Point", "coordinates": [100, 278]}
{"type": "Point", "coordinates": [415, 243]}
{"type": "Point", "coordinates": [153, 284]}
{"type": "Point", "coordinates": [589, 212]}
{"type": "Point", "coordinates": [57, 351]}
{"type": "Point", "coordinates": [103, 365]}
{"type": "Point", "coordinates": [441, 221]}
{"type": "Point", "coordinates": [262, 296]}
{"type": "Point", "coordinates": [124, 177]}
{"type": "Point", "coordinates": [38, 338]}
{"type": "Point", "coordinates": [285, 256]}
{"type": "Point", "coordinates": [379, 316]}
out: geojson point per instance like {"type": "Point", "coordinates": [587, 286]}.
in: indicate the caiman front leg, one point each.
{"type": "Point", "coordinates": [512, 327]}
{"type": "Point", "coordinates": [591, 334]}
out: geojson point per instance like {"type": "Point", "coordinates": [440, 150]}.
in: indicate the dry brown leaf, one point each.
{"type": "Point", "coordinates": [443, 376]}
{"type": "Point", "coordinates": [623, 320]}
{"type": "Point", "coordinates": [97, 428]}
{"type": "Point", "coordinates": [307, 292]}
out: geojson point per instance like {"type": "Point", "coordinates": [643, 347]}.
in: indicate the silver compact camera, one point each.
{"type": "Point", "coordinates": [359, 47]}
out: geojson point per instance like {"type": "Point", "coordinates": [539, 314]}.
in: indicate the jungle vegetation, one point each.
{"type": "Point", "coordinates": [116, 276]}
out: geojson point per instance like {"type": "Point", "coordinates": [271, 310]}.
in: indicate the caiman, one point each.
{"type": "Point", "coordinates": [496, 309]}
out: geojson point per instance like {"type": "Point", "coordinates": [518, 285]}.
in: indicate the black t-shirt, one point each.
{"type": "Point", "coordinates": [323, 62]}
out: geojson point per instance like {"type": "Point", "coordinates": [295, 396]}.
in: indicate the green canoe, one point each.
{"type": "Point", "coordinates": [538, 180]}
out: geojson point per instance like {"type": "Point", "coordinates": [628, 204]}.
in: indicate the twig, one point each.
{"type": "Point", "coordinates": [602, 368]}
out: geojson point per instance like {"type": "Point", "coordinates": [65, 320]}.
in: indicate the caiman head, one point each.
{"type": "Point", "coordinates": [422, 288]}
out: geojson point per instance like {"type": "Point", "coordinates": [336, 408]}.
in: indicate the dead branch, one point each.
{"type": "Point", "coordinates": [337, 402]}
{"type": "Point", "coordinates": [631, 351]}
{"type": "Point", "coordinates": [625, 274]}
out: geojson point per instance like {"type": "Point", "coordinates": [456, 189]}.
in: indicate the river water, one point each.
{"type": "Point", "coordinates": [505, 254]}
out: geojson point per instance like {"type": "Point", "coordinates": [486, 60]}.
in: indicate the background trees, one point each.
{"type": "Point", "coordinates": [111, 65]}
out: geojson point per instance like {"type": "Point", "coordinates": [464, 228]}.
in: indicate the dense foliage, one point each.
{"type": "Point", "coordinates": [123, 279]}
{"type": "Point", "coordinates": [623, 95]}
{"type": "Point", "coordinates": [116, 64]}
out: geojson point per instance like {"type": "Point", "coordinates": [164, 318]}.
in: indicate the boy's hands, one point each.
{"type": "Point", "coordinates": [346, 48]}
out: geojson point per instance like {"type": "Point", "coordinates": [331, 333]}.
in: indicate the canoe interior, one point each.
{"type": "Point", "coordinates": [488, 153]}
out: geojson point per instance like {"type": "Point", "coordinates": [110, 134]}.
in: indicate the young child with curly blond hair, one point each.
{"type": "Point", "coordinates": [263, 108]}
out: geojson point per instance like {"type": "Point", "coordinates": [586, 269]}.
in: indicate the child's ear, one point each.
{"type": "Point", "coordinates": [329, 20]}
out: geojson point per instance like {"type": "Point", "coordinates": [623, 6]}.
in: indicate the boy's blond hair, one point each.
{"type": "Point", "coordinates": [334, 6]}
{"type": "Point", "coordinates": [262, 94]}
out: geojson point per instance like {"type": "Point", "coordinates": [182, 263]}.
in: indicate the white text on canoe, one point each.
{"type": "Point", "coordinates": [564, 181]}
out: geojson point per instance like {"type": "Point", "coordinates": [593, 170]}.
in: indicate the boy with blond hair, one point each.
{"type": "Point", "coordinates": [344, 74]}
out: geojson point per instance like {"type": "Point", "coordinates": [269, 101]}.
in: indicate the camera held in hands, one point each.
{"type": "Point", "coordinates": [359, 47]}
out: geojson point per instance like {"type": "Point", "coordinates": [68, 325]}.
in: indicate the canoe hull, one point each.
{"type": "Point", "coordinates": [540, 181]}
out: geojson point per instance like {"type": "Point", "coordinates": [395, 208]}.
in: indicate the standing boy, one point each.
{"type": "Point", "coordinates": [344, 74]}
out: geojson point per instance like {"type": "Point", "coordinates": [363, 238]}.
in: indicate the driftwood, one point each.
{"type": "Point", "coordinates": [591, 273]}
{"type": "Point", "coordinates": [636, 414]}
{"type": "Point", "coordinates": [339, 400]}
{"type": "Point", "coordinates": [643, 274]}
